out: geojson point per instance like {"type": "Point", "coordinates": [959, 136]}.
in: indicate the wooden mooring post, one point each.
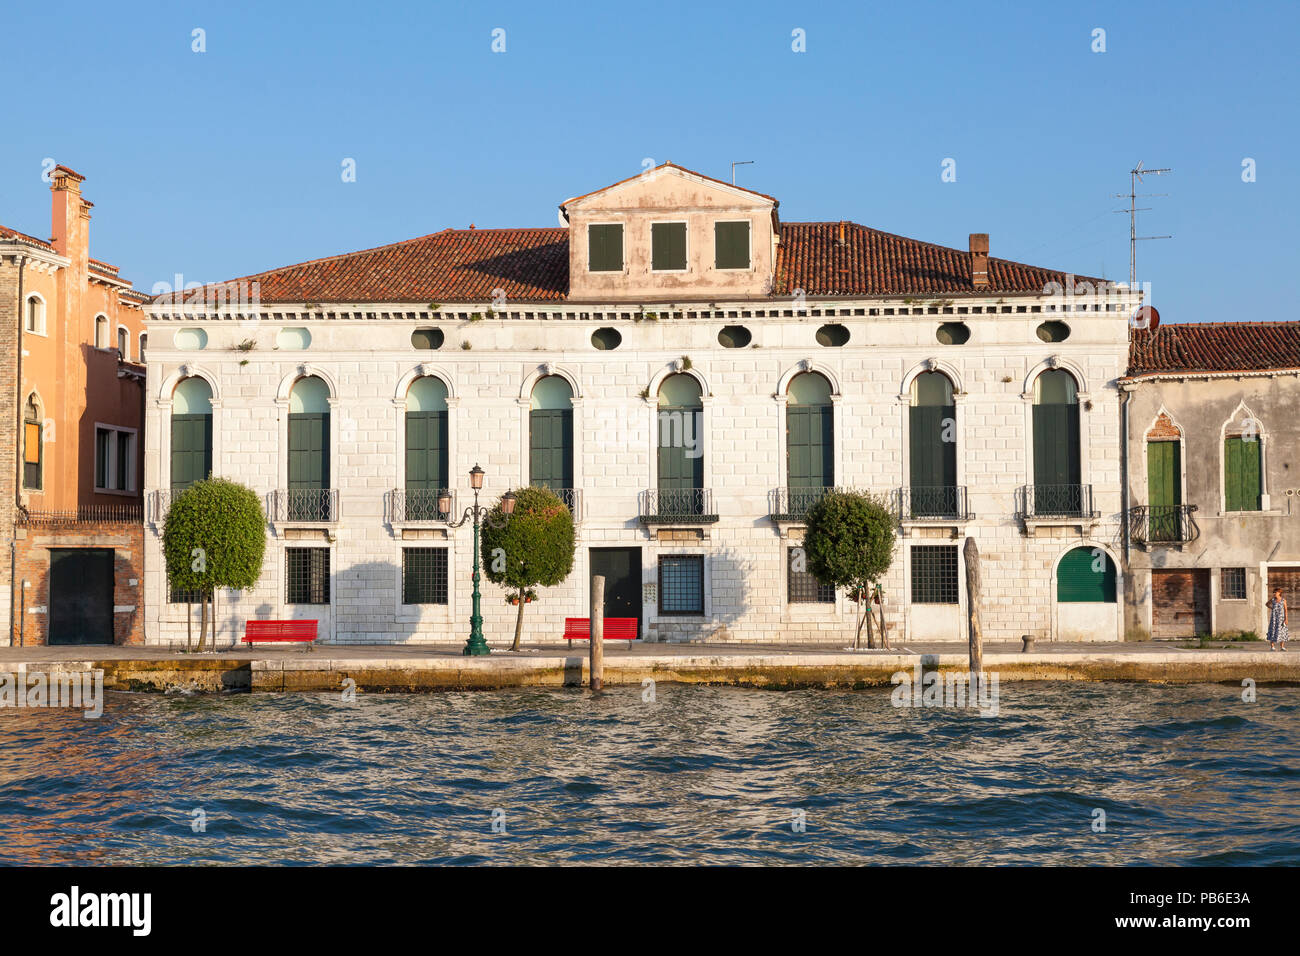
{"type": "Point", "coordinates": [597, 634]}
{"type": "Point", "coordinates": [971, 554]}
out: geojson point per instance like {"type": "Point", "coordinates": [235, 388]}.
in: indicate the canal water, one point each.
{"type": "Point", "coordinates": [1176, 774]}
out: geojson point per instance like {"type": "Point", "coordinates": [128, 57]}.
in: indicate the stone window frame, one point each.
{"type": "Point", "coordinates": [41, 325]}
{"type": "Point", "coordinates": [686, 246]}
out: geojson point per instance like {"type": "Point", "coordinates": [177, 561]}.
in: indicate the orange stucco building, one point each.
{"type": "Point", "coordinates": [71, 433]}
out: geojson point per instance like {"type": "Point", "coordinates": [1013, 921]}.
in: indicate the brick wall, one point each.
{"type": "Point", "coordinates": [9, 319]}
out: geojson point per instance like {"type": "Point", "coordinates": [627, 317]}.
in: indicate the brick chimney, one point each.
{"type": "Point", "coordinates": [979, 260]}
{"type": "Point", "coordinates": [70, 216]}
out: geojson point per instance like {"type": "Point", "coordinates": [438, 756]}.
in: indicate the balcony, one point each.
{"type": "Point", "coordinates": [80, 515]}
{"type": "Point", "coordinates": [684, 506]}
{"type": "Point", "coordinates": [1157, 525]}
{"type": "Point", "coordinates": [791, 505]}
{"type": "Point", "coordinates": [933, 503]}
{"type": "Point", "coordinates": [1055, 505]}
{"type": "Point", "coordinates": [418, 506]}
{"type": "Point", "coordinates": [310, 505]}
{"type": "Point", "coordinates": [572, 498]}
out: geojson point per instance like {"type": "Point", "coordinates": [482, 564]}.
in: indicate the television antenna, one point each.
{"type": "Point", "coordinates": [1135, 176]}
{"type": "Point", "coordinates": [743, 162]}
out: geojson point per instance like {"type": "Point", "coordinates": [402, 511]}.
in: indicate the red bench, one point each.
{"type": "Point", "coordinates": [616, 629]}
{"type": "Point", "coordinates": [280, 632]}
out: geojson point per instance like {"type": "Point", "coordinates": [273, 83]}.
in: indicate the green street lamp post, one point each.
{"type": "Point", "coordinates": [476, 646]}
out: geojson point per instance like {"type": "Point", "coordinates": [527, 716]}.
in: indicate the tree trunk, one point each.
{"type": "Point", "coordinates": [519, 622]}
{"type": "Point", "coordinates": [857, 634]}
{"type": "Point", "coordinates": [871, 622]}
{"type": "Point", "coordinates": [203, 619]}
{"type": "Point", "coordinates": [884, 629]}
{"type": "Point", "coordinates": [189, 624]}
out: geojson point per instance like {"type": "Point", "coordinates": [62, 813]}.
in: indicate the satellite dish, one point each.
{"type": "Point", "coordinates": [559, 214]}
{"type": "Point", "coordinates": [1147, 317]}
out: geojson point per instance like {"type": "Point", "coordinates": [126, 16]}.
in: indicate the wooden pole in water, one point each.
{"type": "Point", "coordinates": [971, 553]}
{"type": "Point", "coordinates": [597, 631]}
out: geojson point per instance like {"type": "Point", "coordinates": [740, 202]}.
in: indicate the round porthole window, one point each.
{"type": "Point", "coordinates": [190, 339]}
{"type": "Point", "coordinates": [606, 339]}
{"type": "Point", "coordinates": [953, 333]}
{"type": "Point", "coordinates": [427, 338]}
{"type": "Point", "coordinates": [1053, 331]}
{"type": "Point", "coordinates": [734, 337]}
{"type": "Point", "coordinates": [292, 339]}
{"type": "Point", "coordinates": [832, 336]}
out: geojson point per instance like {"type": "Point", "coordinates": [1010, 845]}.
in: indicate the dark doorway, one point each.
{"type": "Point", "coordinates": [81, 596]}
{"type": "Point", "coordinates": [622, 570]}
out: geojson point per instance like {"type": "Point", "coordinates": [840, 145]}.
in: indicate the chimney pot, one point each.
{"type": "Point", "coordinates": [979, 259]}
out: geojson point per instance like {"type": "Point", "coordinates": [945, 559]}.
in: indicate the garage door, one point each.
{"type": "Point", "coordinates": [1180, 603]}
{"type": "Point", "coordinates": [1288, 579]}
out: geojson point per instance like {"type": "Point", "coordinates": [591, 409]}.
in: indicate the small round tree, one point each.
{"type": "Point", "coordinates": [214, 536]}
{"type": "Point", "coordinates": [532, 548]}
{"type": "Point", "coordinates": [849, 543]}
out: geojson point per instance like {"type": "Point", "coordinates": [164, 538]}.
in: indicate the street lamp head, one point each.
{"type": "Point", "coordinates": [508, 503]}
{"type": "Point", "coordinates": [444, 502]}
{"type": "Point", "coordinates": [476, 478]}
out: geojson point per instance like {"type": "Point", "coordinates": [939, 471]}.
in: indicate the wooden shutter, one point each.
{"type": "Point", "coordinates": [309, 465]}
{"type": "Point", "coordinates": [678, 470]}
{"type": "Point", "coordinates": [191, 449]}
{"type": "Point", "coordinates": [668, 245]}
{"type": "Point", "coordinates": [731, 245]}
{"type": "Point", "coordinates": [809, 438]}
{"type": "Point", "coordinates": [1241, 474]}
{"type": "Point", "coordinates": [606, 247]}
{"type": "Point", "coordinates": [933, 460]}
{"type": "Point", "coordinates": [550, 459]}
{"type": "Point", "coordinates": [1078, 581]}
{"type": "Point", "coordinates": [426, 450]}
{"type": "Point", "coordinates": [1056, 445]}
{"type": "Point", "coordinates": [1164, 485]}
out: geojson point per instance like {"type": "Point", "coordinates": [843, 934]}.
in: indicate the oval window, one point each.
{"type": "Point", "coordinates": [953, 333]}
{"type": "Point", "coordinates": [606, 339]}
{"type": "Point", "coordinates": [189, 339]}
{"type": "Point", "coordinates": [427, 338]}
{"type": "Point", "coordinates": [832, 336]}
{"type": "Point", "coordinates": [734, 337]}
{"type": "Point", "coordinates": [1053, 331]}
{"type": "Point", "coordinates": [292, 339]}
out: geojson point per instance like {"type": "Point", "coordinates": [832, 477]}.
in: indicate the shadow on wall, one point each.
{"type": "Point", "coordinates": [729, 572]}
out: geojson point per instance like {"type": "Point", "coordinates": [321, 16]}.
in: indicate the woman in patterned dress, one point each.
{"type": "Point", "coordinates": [1277, 623]}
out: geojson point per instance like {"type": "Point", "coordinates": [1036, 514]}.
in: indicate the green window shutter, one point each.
{"type": "Point", "coordinates": [550, 438]}
{"type": "Point", "coordinates": [1056, 445]}
{"type": "Point", "coordinates": [426, 450]}
{"type": "Point", "coordinates": [681, 467]}
{"type": "Point", "coordinates": [668, 245]}
{"type": "Point", "coordinates": [933, 460]}
{"type": "Point", "coordinates": [191, 449]}
{"type": "Point", "coordinates": [731, 245]}
{"type": "Point", "coordinates": [309, 465]}
{"type": "Point", "coordinates": [605, 247]}
{"type": "Point", "coordinates": [1241, 474]}
{"type": "Point", "coordinates": [1079, 581]}
{"type": "Point", "coordinates": [809, 440]}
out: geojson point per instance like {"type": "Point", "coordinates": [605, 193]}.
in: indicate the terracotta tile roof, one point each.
{"type": "Point", "coordinates": [811, 257]}
{"type": "Point", "coordinates": [455, 265]}
{"type": "Point", "coordinates": [466, 265]}
{"type": "Point", "coordinates": [1214, 347]}
{"type": "Point", "coordinates": [7, 233]}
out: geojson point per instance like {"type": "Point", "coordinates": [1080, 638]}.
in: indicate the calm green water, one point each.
{"type": "Point", "coordinates": [699, 775]}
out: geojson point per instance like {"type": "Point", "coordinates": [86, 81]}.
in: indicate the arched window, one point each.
{"type": "Point", "coordinates": [681, 446]}
{"type": "Point", "coordinates": [1057, 489]}
{"type": "Point", "coordinates": [932, 447]}
{"type": "Point", "coordinates": [101, 331]}
{"type": "Point", "coordinates": [144, 340]}
{"type": "Point", "coordinates": [426, 447]}
{"type": "Point", "coordinates": [33, 447]}
{"type": "Point", "coordinates": [809, 440]}
{"type": "Point", "coordinates": [191, 432]}
{"type": "Point", "coordinates": [550, 437]}
{"type": "Point", "coordinates": [35, 319]}
{"type": "Point", "coordinates": [1086, 575]}
{"type": "Point", "coordinates": [309, 451]}
{"type": "Point", "coordinates": [123, 344]}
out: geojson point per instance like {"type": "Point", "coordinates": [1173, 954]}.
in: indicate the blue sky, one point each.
{"type": "Point", "coordinates": [227, 162]}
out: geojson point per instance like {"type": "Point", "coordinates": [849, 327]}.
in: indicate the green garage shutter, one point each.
{"type": "Point", "coordinates": [1079, 581]}
{"type": "Point", "coordinates": [1241, 484]}
{"type": "Point", "coordinates": [191, 449]}
{"type": "Point", "coordinates": [309, 463]}
{"type": "Point", "coordinates": [668, 245]}
{"type": "Point", "coordinates": [809, 436]}
{"type": "Point", "coordinates": [550, 459]}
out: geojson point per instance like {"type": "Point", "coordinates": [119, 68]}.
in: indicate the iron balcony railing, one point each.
{"type": "Point", "coordinates": [1163, 524]}
{"type": "Point", "coordinates": [305, 504]}
{"type": "Point", "coordinates": [1056, 501]}
{"type": "Point", "coordinates": [677, 505]}
{"type": "Point", "coordinates": [933, 503]}
{"type": "Point", "coordinates": [82, 514]}
{"type": "Point", "coordinates": [409, 505]}
{"type": "Point", "coordinates": [572, 498]}
{"type": "Point", "coordinates": [792, 504]}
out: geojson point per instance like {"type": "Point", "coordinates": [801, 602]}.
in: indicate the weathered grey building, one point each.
{"type": "Point", "coordinates": [1213, 475]}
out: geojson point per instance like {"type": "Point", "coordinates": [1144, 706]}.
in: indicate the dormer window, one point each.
{"type": "Point", "coordinates": [605, 247]}
{"type": "Point", "coordinates": [731, 245]}
{"type": "Point", "coordinates": [668, 246]}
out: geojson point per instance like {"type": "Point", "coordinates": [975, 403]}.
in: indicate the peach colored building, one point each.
{"type": "Point", "coordinates": [71, 433]}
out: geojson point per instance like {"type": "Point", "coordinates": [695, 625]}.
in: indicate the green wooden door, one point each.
{"type": "Point", "coordinates": [309, 466]}
{"type": "Point", "coordinates": [191, 449]}
{"type": "Point", "coordinates": [681, 460]}
{"type": "Point", "coordinates": [550, 456]}
{"type": "Point", "coordinates": [1056, 460]}
{"type": "Point", "coordinates": [1164, 490]}
{"type": "Point", "coordinates": [426, 463]}
{"type": "Point", "coordinates": [933, 460]}
{"type": "Point", "coordinates": [1241, 474]}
